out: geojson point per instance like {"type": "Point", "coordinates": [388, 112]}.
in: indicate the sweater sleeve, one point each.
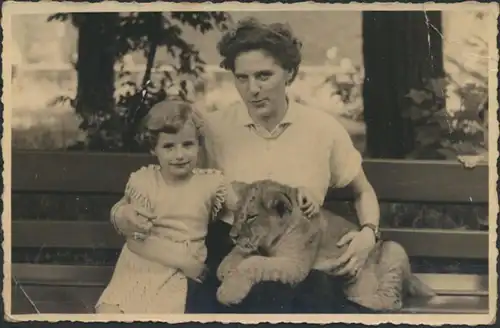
{"type": "Point", "coordinates": [345, 159]}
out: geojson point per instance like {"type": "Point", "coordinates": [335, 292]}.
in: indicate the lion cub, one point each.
{"type": "Point", "coordinates": [274, 241]}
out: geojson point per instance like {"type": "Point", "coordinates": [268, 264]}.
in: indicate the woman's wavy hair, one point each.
{"type": "Point", "coordinates": [276, 39]}
{"type": "Point", "coordinates": [170, 116]}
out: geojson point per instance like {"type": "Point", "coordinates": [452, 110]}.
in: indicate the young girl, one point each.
{"type": "Point", "coordinates": [178, 200]}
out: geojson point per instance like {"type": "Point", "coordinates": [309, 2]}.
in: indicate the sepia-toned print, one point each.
{"type": "Point", "coordinates": [246, 162]}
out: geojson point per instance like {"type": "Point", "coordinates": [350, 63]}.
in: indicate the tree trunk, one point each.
{"type": "Point", "coordinates": [95, 67]}
{"type": "Point", "coordinates": [136, 114]}
{"type": "Point", "coordinates": [401, 50]}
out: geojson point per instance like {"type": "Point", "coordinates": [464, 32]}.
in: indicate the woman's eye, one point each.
{"type": "Point", "coordinates": [241, 78]}
{"type": "Point", "coordinates": [264, 76]}
{"type": "Point", "coordinates": [168, 146]}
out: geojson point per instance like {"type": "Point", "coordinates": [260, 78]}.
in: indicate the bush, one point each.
{"type": "Point", "coordinates": [447, 133]}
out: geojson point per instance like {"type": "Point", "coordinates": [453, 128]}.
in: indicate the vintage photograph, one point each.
{"type": "Point", "coordinates": [333, 161]}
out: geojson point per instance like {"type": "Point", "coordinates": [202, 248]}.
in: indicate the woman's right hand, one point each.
{"type": "Point", "coordinates": [131, 223]}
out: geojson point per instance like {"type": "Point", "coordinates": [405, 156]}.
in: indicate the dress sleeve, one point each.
{"type": "Point", "coordinates": [345, 159]}
{"type": "Point", "coordinates": [140, 190]}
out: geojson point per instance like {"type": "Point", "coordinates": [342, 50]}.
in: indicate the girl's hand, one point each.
{"type": "Point", "coordinates": [195, 270]}
{"type": "Point", "coordinates": [307, 203]}
{"type": "Point", "coordinates": [361, 244]}
{"type": "Point", "coordinates": [133, 224]}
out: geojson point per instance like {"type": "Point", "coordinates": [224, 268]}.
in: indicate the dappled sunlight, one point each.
{"type": "Point", "coordinates": [38, 122]}
{"type": "Point", "coordinates": [466, 53]}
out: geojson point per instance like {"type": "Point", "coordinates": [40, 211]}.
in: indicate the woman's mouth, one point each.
{"type": "Point", "coordinates": [258, 103]}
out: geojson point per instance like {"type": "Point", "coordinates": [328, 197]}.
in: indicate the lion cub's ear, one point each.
{"type": "Point", "coordinates": [239, 188]}
{"type": "Point", "coordinates": [282, 204]}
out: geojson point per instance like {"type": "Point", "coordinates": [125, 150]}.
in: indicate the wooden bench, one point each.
{"type": "Point", "coordinates": [53, 288]}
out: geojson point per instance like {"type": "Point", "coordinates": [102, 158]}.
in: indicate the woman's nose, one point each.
{"type": "Point", "coordinates": [253, 86]}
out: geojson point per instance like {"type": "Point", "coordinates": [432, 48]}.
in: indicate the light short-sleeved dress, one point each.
{"type": "Point", "coordinates": [182, 214]}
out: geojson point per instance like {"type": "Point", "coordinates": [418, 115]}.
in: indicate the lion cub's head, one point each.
{"type": "Point", "coordinates": [264, 211]}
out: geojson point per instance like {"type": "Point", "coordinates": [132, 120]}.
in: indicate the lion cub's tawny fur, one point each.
{"type": "Point", "coordinates": [275, 242]}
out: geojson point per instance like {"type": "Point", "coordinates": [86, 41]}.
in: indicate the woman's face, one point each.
{"type": "Point", "coordinates": [261, 83]}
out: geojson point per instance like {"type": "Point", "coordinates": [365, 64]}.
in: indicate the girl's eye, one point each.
{"type": "Point", "coordinates": [189, 144]}
{"type": "Point", "coordinates": [168, 146]}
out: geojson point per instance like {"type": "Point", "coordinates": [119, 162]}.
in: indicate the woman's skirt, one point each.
{"type": "Point", "coordinates": [141, 286]}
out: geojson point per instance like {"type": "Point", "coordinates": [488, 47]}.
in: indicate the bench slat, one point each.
{"type": "Point", "coordinates": [83, 300]}
{"type": "Point", "coordinates": [101, 235]}
{"type": "Point", "coordinates": [61, 275]}
{"type": "Point", "coordinates": [393, 180]}
{"type": "Point", "coordinates": [20, 302]}
{"type": "Point", "coordinates": [449, 305]}
{"type": "Point", "coordinates": [463, 244]}
{"type": "Point", "coordinates": [74, 299]}
{"type": "Point", "coordinates": [456, 284]}
{"type": "Point", "coordinates": [77, 288]}
{"type": "Point", "coordinates": [82, 275]}
{"type": "Point", "coordinates": [65, 234]}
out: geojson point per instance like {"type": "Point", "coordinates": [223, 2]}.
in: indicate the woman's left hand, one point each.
{"type": "Point", "coordinates": [307, 203]}
{"type": "Point", "coordinates": [361, 244]}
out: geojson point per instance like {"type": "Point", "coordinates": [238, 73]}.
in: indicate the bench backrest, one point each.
{"type": "Point", "coordinates": [106, 174]}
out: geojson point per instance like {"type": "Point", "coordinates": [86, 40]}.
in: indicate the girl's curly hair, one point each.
{"type": "Point", "coordinates": [277, 39]}
{"type": "Point", "coordinates": [170, 116]}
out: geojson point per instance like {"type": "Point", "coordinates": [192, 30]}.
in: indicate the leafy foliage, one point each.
{"type": "Point", "coordinates": [445, 133]}
{"type": "Point", "coordinates": [450, 114]}
{"type": "Point", "coordinates": [337, 89]}
{"type": "Point", "coordinates": [115, 128]}
{"type": "Point", "coordinates": [348, 87]}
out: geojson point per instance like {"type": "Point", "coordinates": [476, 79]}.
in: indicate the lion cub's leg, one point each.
{"type": "Point", "coordinates": [230, 263]}
{"type": "Point", "coordinates": [290, 264]}
{"type": "Point", "coordinates": [380, 285]}
{"type": "Point", "coordinates": [236, 286]}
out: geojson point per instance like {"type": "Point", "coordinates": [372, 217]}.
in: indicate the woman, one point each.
{"type": "Point", "coordinates": [271, 137]}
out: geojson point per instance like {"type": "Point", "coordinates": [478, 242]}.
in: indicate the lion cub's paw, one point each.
{"type": "Point", "coordinates": [224, 270]}
{"type": "Point", "coordinates": [227, 267]}
{"type": "Point", "coordinates": [234, 289]}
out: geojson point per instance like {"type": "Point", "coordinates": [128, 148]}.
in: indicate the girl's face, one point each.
{"type": "Point", "coordinates": [261, 83]}
{"type": "Point", "coordinates": [177, 153]}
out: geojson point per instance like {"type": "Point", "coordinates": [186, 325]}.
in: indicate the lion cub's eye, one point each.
{"type": "Point", "coordinates": [251, 218]}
